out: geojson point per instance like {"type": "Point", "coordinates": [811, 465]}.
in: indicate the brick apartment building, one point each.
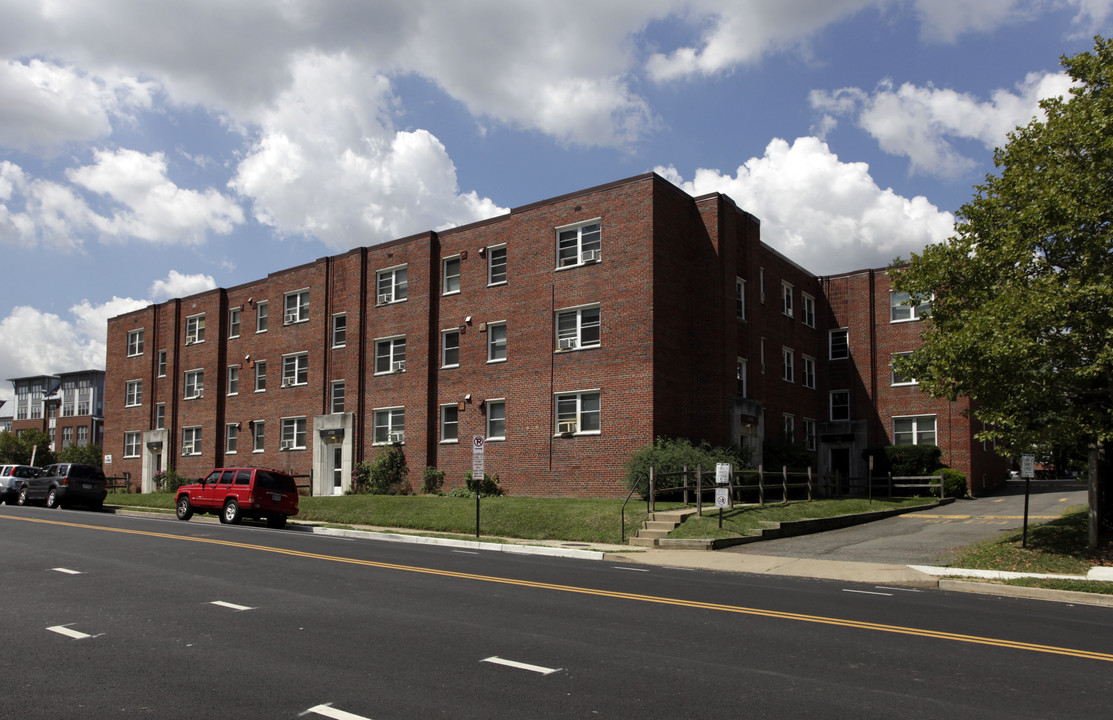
{"type": "Point", "coordinates": [570, 332]}
{"type": "Point", "coordinates": [68, 407]}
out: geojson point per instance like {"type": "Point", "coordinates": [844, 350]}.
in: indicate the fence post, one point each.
{"type": "Point", "coordinates": [809, 483]}
{"type": "Point", "coordinates": [890, 483]}
{"type": "Point", "coordinates": [684, 479]}
{"type": "Point", "coordinates": [784, 483]}
{"type": "Point", "coordinates": [652, 491]}
{"type": "Point", "coordinates": [699, 490]}
{"type": "Point", "coordinates": [761, 485]}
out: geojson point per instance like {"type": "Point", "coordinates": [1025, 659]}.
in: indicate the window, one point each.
{"type": "Point", "coordinates": [788, 365]}
{"type": "Point", "coordinates": [788, 428]}
{"type": "Point", "coordinates": [195, 329]}
{"type": "Point", "coordinates": [67, 436]}
{"type": "Point", "coordinates": [450, 424]}
{"type": "Point", "coordinates": [451, 269]}
{"type": "Point", "coordinates": [807, 374]}
{"type": "Point", "coordinates": [761, 349]}
{"type": "Point", "coordinates": [496, 419]}
{"type": "Point", "coordinates": [390, 355]}
{"type": "Point", "coordinates": [496, 342]}
{"type": "Point", "coordinates": [577, 413]}
{"type": "Point", "coordinates": [740, 376]}
{"type": "Point", "coordinates": [391, 285]}
{"type": "Point", "coordinates": [295, 369]}
{"type": "Point", "coordinates": [258, 435]}
{"type": "Point", "coordinates": [233, 380]}
{"type": "Point", "coordinates": [450, 348]}
{"type": "Point", "coordinates": [194, 384]}
{"type": "Point", "coordinates": [496, 265]}
{"type": "Point", "coordinates": [135, 342]}
{"type": "Point", "coordinates": [578, 328]}
{"type": "Point", "coordinates": [131, 444]}
{"type": "Point", "coordinates": [761, 284]}
{"type": "Point", "coordinates": [339, 330]}
{"type": "Point", "coordinates": [160, 416]}
{"type": "Point", "coordinates": [231, 438]}
{"type": "Point", "coordinates": [234, 322]}
{"type": "Point", "coordinates": [336, 396]}
{"type": "Point", "coordinates": [578, 245]}
{"type": "Point", "coordinates": [840, 405]}
{"type": "Point", "coordinates": [786, 299]}
{"type": "Point", "coordinates": [809, 435]}
{"type": "Point", "coordinates": [260, 376]}
{"type": "Point", "coordinates": [389, 426]}
{"type": "Point", "coordinates": [82, 436]}
{"type": "Point", "coordinates": [807, 309]}
{"type": "Point", "coordinates": [162, 363]}
{"type": "Point", "coordinates": [261, 317]}
{"type": "Point", "coordinates": [901, 308]}
{"type": "Point", "coordinates": [295, 307]}
{"type": "Point", "coordinates": [898, 377]}
{"type": "Point", "coordinates": [293, 434]}
{"type": "Point", "coordinates": [914, 430]}
{"type": "Point", "coordinates": [133, 393]}
{"type": "Point", "coordinates": [839, 344]}
{"type": "Point", "coordinates": [191, 441]}
{"type": "Point", "coordinates": [740, 298]}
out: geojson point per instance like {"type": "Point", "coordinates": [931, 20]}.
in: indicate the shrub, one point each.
{"type": "Point", "coordinates": [911, 460]}
{"type": "Point", "coordinates": [954, 483]}
{"type": "Point", "coordinates": [489, 487]}
{"type": "Point", "coordinates": [385, 475]}
{"type": "Point", "coordinates": [796, 458]}
{"type": "Point", "coordinates": [669, 455]}
{"type": "Point", "coordinates": [432, 480]}
{"type": "Point", "coordinates": [170, 481]}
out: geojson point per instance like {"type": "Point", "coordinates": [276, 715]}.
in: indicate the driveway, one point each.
{"type": "Point", "coordinates": [930, 537]}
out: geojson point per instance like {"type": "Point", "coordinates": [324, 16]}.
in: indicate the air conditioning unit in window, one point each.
{"type": "Point", "coordinates": [286, 445]}
{"type": "Point", "coordinates": [384, 298]}
{"type": "Point", "coordinates": [398, 438]}
{"type": "Point", "coordinates": [398, 366]}
{"type": "Point", "coordinates": [287, 382]}
{"type": "Point", "coordinates": [566, 428]}
{"type": "Point", "coordinates": [291, 317]}
{"type": "Point", "coordinates": [187, 449]}
{"type": "Point", "coordinates": [567, 343]}
{"type": "Point", "coordinates": [591, 256]}
{"type": "Point", "coordinates": [190, 341]}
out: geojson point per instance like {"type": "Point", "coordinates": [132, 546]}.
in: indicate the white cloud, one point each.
{"type": "Point", "coordinates": [828, 215]}
{"type": "Point", "coordinates": [922, 123]}
{"type": "Point", "coordinates": [36, 212]}
{"type": "Point", "coordinates": [329, 164]}
{"type": "Point", "coordinates": [946, 20]}
{"type": "Point", "coordinates": [178, 285]}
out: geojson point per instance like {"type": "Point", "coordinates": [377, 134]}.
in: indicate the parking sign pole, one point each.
{"type": "Point", "coordinates": [478, 470]}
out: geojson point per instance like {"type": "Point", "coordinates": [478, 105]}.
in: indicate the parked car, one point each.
{"type": "Point", "coordinates": [235, 493]}
{"type": "Point", "coordinates": [65, 484]}
{"type": "Point", "coordinates": [11, 477]}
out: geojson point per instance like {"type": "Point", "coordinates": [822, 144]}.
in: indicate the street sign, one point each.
{"type": "Point", "coordinates": [722, 497]}
{"type": "Point", "coordinates": [478, 459]}
{"type": "Point", "coordinates": [1027, 466]}
{"type": "Point", "coordinates": [722, 473]}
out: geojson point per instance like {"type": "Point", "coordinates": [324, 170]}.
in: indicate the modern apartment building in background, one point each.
{"type": "Point", "coordinates": [570, 333]}
{"type": "Point", "coordinates": [68, 407]}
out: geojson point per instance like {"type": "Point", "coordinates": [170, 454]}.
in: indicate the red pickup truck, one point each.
{"type": "Point", "coordinates": [235, 493]}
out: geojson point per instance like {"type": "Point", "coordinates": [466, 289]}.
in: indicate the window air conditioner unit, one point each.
{"type": "Point", "coordinates": [190, 341]}
{"type": "Point", "coordinates": [384, 298]}
{"type": "Point", "coordinates": [398, 366]}
{"type": "Point", "coordinates": [397, 437]}
{"type": "Point", "coordinates": [187, 449]}
{"type": "Point", "coordinates": [285, 444]}
{"type": "Point", "coordinates": [567, 343]}
{"type": "Point", "coordinates": [566, 428]}
{"type": "Point", "coordinates": [199, 396]}
{"type": "Point", "coordinates": [591, 256]}
{"type": "Point", "coordinates": [291, 317]}
{"type": "Point", "coordinates": [287, 382]}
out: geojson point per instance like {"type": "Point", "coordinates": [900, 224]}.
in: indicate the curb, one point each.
{"type": "Point", "coordinates": [1067, 596]}
{"type": "Point", "coordinates": [462, 544]}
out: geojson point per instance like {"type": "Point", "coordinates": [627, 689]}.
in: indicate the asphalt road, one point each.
{"type": "Point", "coordinates": [105, 616]}
{"type": "Point", "coordinates": [931, 537]}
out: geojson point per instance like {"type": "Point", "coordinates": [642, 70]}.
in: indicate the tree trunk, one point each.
{"type": "Point", "coordinates": [1101, 494]}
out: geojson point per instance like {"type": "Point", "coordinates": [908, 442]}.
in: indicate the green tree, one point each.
{"type": "Point", "coordinates": [17, 449]}
{"type": "Point", "coordinates": [89, 454]}
{"type": "Point", "coordinates": [1021, 320]}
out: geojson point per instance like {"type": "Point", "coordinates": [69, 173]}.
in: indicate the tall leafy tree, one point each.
{"type": "Point", "coordinates": [18, 449]}
{"type": "Point", "coordinates": [1022, 317]}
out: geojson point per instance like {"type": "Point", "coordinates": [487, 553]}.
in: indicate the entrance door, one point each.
{"type": "Point", "coordinates": [337, 470]}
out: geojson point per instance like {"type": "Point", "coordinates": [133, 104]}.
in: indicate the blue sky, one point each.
{"type": "Point", "coordinates": [152, 150]}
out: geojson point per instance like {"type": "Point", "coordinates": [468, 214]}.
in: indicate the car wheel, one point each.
{"type": "Point", "coordinates": [231, 513]}
{"type": "Point", "coordinates": [276, 521]}
{"type": "Point", "coordinates": [23, 497]}
{"type": "Point", "coordinates": [52, 499]}
{"type": "Point", "coordinates": [183, 510]}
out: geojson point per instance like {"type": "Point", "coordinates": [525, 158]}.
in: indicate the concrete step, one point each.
{"type": "Point", "coordinates": [643, 533]}
{"type": "Point", "coordinates": [665, 525]}
{"type": "Point", "coordinates": [644, 542]}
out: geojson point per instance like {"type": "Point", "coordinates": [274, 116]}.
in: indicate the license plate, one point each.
{"type": "Point", "coordinates": [86, 486]}
{"type": "Point", "coordinates": [276, 498]}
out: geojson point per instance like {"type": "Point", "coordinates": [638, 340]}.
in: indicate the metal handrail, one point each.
{"type": "Point", "coordinates": [637, 482]}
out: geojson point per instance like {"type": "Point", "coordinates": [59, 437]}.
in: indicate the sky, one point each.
{"type": "Point", "coordinates": [155, 150]}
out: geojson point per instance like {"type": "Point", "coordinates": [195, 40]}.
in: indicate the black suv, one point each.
{"type": "Point", "coordinates": [65, 484]}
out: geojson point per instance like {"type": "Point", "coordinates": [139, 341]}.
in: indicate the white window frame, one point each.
{"type": "Point", "coordinates": [135, 342]}
{"type": "Point", "coordinates": [844, 354]}
{"type": "Point", "coordinates": [445, 348]}
{"type": "Point", "coordinates": [807, 370]}
{"type": "Point", "coordinates": [811, 437]}
{"type": "Point", "coordinates": [293, 433]}
{"type": "Point", "coordinates": [233, 380]}
{"type": "Point", "coordinates": [195, 329]}
{"type": "Point", "coordinates": [807, 309]}
{"type": "Point", "coordinates": [915, 432]}
{"type": "Point", "coordinates": [340, 330]}
{"type": "Point", "coordinates": [393, 282]}
{"type": "Point", "coordinates": [493, 432]}
{"type": "Point", "coordinates": [337, 390]}
{"type": "Point", "coordinates": [451, 271]}
{"type": "Point", "coordinates": [295, 369]}
{"type": "Point", "coordinates": [831, 405]}
{"type": "Point", "coordinates": [260, 376]}
{"type": "Point", "coordinates": [192, 437]}
{"type": "Point", "coordinates": [740, 298]}
{"type": "Point", "coordinates": [296, 304]}
{"type": "Point", "coordinates": [576, 332]}
{"type": "Point", "coordinates": [160, 364]}
{"type": "Point", "coordinates": [395, 352]}
{"type": "Point", "coordinates": [231, 438]}
{"type": "Point", "coordinates": [492, 265]}
{"type": "Point", "coordinates": [160, 416]}
{"type": "Point", "coordinates": [193, 386]}
{"type": "Point", "coordinates": [895, 380]}
{"type": "Point", "coordinates": [262, 316]}
{"type": "Point", "coordinates": [741, 372]}
{"type": "Point", "coordinates": [258, 436]}
{"type": "Point", "coordinates": [569, 408]}
{"type": "Point", "coordinates": [387, 421]}
{"type": "Point", "coordinates": [788, 428]}
{"type": "Point", "coordinates": [899, 312]}
{"type": "Point", "coordinates": [133, 393]}
{"type": "Point", "coordinates": [450, 420]}
{"type": "Point", "coordinates": [235, 316]}
{"type": "Point", "coordinates": [788, 364]}
{"type": "Point", "coordinates": [578, 238]}
{"type": "Point", "coordinates": [133, 443]}
{"type": "Point", "coordinates": [787, 308]}
{"type": "Point", "coordinates": [494, 344]}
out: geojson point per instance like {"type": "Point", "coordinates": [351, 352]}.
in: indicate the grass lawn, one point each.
{"type": "Point", "coordinates": [744, 520]}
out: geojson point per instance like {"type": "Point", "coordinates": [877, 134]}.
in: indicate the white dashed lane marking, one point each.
{"type": "Point", "coordinates": [69, 632]}
{"type": "Point", "coordinates": [520, 665]}
{"type": "Point", "coordinates": [230, 606]}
